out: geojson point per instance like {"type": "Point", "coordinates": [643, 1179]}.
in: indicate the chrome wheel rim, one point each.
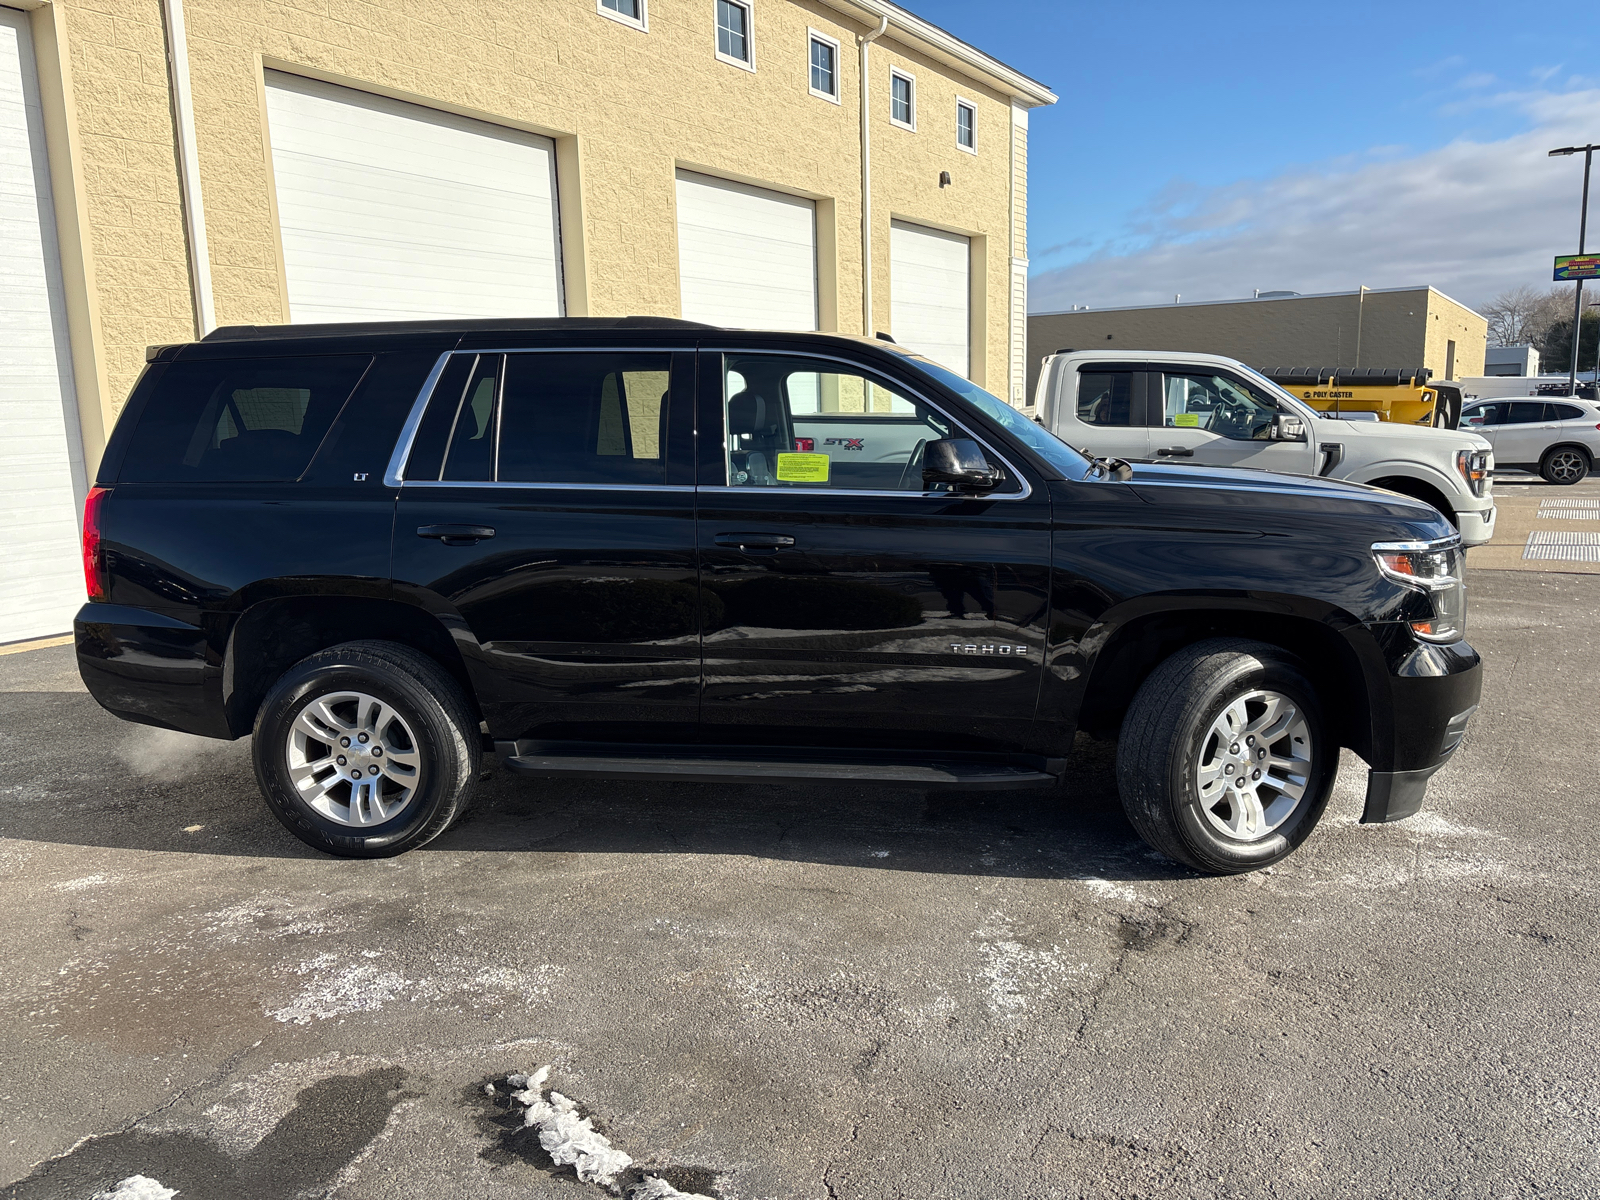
{"type": "Point", "coordinates": [1254, 766]}
{"type": "Point", "coordinates": [1567, 466]}
{"type": "Point", "coordinates": [353, 758]}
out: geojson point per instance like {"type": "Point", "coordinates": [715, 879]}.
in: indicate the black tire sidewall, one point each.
{"type": "Point", "coordinates": [1549, 477]}
{"type": "Point", "coordinates": [1215, 850]}
{"type": "Point", "coordinates": [420, 710]}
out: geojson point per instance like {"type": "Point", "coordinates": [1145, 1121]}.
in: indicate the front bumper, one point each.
{"type": "Point", "coordinates": [1477, 527]}
{"type": "Point", "coordinates": [1433, 694]}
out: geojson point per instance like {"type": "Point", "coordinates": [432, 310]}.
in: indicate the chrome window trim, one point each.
{"type": "Point", "coordinates": [1444, 543]}
{"type": "Point", "coordinates": [393, 475]}
{"type": "Point", "coordinates": [1027, 488]}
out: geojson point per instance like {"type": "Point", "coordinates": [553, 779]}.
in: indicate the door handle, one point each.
{"type": "Point", "coordinates": [754, 541]}
{"type": "Point", "coordinates": [1176, 452]}
{"type": "Point", "coordinates": [456, 535]}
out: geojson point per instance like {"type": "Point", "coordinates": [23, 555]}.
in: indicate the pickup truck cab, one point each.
{"type": "Point", "coordinates": [648, 549]}
{"type": "Point", "coordinates": [1214, 411]}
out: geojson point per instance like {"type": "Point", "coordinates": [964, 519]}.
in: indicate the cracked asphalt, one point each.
{"type": "Point", "coordinates": [810, 993]}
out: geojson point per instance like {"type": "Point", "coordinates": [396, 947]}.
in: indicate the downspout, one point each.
{"type": "Point", "coordinates": [866, 178]}
{"type": "Point", "coordinates": [194, 214]}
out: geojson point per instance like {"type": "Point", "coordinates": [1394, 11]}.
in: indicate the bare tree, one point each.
{"type": "Point", "coordinates": [1521, 316]}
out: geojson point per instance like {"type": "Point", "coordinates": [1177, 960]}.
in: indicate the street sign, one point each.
{"type": "Point", "coordinates": [1577, 266]}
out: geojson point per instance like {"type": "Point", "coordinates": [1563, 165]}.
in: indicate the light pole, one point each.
{"type": "Point", "coordinates": [1583, 229]}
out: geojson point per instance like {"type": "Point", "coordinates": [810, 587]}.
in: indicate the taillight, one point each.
{"type": "Point", "coordinates": [94, 559]}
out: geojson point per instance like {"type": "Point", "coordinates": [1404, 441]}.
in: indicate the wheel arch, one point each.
{"type": "Point", "coordinates": [1418, 489]}
{"type": "Point", "coordinates": [1127, 651]}
{"type": "Point", "coordinates": [1582, 449]}
{"type": "Point", "coordinates": [272, 635]}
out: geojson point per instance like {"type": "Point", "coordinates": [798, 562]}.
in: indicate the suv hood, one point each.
{"type": "Point", "coordinates": [1392, 431]}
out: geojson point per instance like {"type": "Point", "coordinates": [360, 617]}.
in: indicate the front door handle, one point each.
{"type": "Point", "coordinates": [456, 535]}
{"type": "Point", "coordinates": [1175, 452]}
{"type": "Point", "coordinates": [754, 541]}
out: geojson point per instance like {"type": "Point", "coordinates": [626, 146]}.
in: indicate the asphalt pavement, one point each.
{"type": "Point", "coordinates": [818, 992]}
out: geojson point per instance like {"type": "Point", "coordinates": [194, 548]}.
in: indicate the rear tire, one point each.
{"type": "Point", "coordinates": [1171, 759]}
{"type": "Point", "coordinates": [1564, 465]}
{"type": "Point", "coordinates": [333, 717]}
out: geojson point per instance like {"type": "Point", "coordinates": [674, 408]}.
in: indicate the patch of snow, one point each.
{"type": "Point", "coordinates": [1107, 890]}
{"type": "Point", "coordinates": [659, 1189]}
{"type": "Point", "coordinates": [1431, 824]}
{"type": "Point", "coordinates": [137, 1187]}
{"type": "Point", "coordinates": [83, 884]}
{"type": "Point", "coordinates": [880, 854]}
{"type": "Point", "coordinates": [1013, 971]}
{"type": "Point", "coordinates": [353, 989]}
{"type": "Point", "coordinates": [570, 1140]}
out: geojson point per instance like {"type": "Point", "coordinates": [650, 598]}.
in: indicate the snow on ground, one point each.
{"type": "Point", "coordinates": [137, 1187]}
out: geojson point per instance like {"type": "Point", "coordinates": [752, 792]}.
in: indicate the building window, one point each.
{"type": "Point", "coordinates": [824, 66]}
{"type": "Point", "coordinates": [733, 33]}
{"type": "Point", "coordinates": [628, 12]}
{"type": "Point", "coordinates": [967, 126]}
{"type": "Point", "coordinates": [902, 99]}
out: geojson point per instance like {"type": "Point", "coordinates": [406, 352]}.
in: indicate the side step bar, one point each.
{"type": "Point", "coordinates": [731, 764]}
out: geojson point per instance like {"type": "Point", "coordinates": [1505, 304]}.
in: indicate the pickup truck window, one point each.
{"type": "Point", "coordinates": [252, 419]}
{"type": "Point", "coordinates": [1217, 404]}
{"type": "Point", "coordinates": [1105, 397]}
{"type": "Point", "coordinates": [1035, 436]}
{"type": "Point", "coordinates": [792, 425]}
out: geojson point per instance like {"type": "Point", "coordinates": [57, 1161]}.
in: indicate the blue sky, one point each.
{"type": "Point", "coordinates": [1211, 149]}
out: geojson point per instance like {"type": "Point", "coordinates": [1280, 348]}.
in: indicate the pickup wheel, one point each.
{"type": "Point", "coordinates": [366, 750]}
{"type": "Point", "coordinates": [1225, 762]}
{"type": "Point", "coordinates": [1564, 465]}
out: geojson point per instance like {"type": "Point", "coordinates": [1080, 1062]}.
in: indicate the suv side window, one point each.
{"type": "Point", "coordinates": [1564, 412]}
{"type": "Point", "coordinates": [560, 417]}
{"type": "Point", "coordinates": [239, 420]}
{"type": "Point", "coordinates": [1218, 404]}
{"type": "Point", "coordinates": [1106, 398]}
{"type": "Point", "coordinates": [1527, 412]}
{"type": "Point", "coordinates": [801, 422]}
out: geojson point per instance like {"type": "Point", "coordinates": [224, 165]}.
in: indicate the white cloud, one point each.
{"type": "Point", "coordinates": [1471, 218]}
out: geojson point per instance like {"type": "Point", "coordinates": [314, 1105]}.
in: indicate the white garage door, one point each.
{"type": "Point", "coordinates": [930, 296]}
{"type": "Point", "coordinates": [747, 257]}
{"type": "Point", "coordinates": [41, 451]}
{"type": "Point", "coordinates": [392, 211]}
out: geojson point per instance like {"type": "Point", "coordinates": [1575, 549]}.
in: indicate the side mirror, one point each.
{"type": "Point", "coordinates": [960, 463]}
{"type": "Point", "coordinates": [1288, 429]}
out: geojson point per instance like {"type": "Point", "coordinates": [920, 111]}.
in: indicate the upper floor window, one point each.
{"type": "Point", "coordinates": [733, 33]}
{"type": "Point", "coordinates": [629, 12]}
{"type": "Point", "coordinates": [967, 126]}
{"type": "Point", "coordinates": [824, 66]}
{"type": "Point", "coordinates": [902, 99]}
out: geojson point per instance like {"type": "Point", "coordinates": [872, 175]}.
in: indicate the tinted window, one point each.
{"type": "Point", "coordinates": [1217, 404]}
{"type": "Point", "coordinates": [469, 453]}
{"type": "Point", "coordinates": [1492, 414]}
{"type": "Point", "coordinates": [1526, 413]}
{"type": "Point", "coordinates": [1105, 398]}
{"type": "Point", "coordinates": [792, 425]}
{"type": "Point", "coordinates": [1564, 412]}
{"type": "Point", "coordinates": [246, 420]}
{"type": "Point", "coordinates": [580, 418]}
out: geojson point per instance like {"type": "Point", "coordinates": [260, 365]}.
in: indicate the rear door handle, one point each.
{"type": "Point", "coordinates": [456, 535]}
{"type": "Point", "coordinates": [1176, 452]}
{"type": "Point", "coordinates": [754, 541]}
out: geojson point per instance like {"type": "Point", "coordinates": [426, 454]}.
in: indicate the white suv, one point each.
{"type": "Point", "coordinates": [1558, 438]}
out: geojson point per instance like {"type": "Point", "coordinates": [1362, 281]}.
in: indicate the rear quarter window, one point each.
{"type": "Point", "coordinates": [239, 420]}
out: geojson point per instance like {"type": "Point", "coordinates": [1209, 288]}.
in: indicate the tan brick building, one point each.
{"type": "Point", "coordinates": [1375, 327]}
{"type": "Point", "coordinates": [178, 164]}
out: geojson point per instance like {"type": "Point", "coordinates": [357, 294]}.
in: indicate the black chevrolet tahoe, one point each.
{"type": "Point", "coordinates": [648, 549]}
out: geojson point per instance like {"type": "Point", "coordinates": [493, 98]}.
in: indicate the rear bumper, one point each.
{"type": "Point", "coordinates": [149, 668]}
{"type": "Point", "coordinates": [1434, 693]}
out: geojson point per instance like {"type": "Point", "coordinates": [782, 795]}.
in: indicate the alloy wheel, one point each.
{"type": "Point", "coordinates": [1568, 466]}
{"type": "Point", "coordinates": [353, 758]}
{"type": "Point", "coordinates": [1254, 765]}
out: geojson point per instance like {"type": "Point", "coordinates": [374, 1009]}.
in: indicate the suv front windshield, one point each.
{"type": "Point", "coordinates": [1041, 441]}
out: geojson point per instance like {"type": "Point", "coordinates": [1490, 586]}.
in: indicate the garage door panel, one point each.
{"type": "Point", "coordinates": [747, 257]}
{"type": "Point", "coordinates": [41, 470]}
{"type": "Point", "coordinates": [930, 293]}
{"type": "Point", "coordinates": [392, 210]}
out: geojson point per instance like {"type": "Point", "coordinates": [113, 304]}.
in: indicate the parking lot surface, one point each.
{"type": "Point", "coordinates": [808, 992]}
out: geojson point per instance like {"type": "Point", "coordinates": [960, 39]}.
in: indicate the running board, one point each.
{"type": "Point", "coordinates": [729, 764]}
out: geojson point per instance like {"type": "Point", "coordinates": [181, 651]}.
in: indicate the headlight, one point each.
{"type": "Point", "coordinates": [1437, 571]}
{"type": "Point", "coordinates": [1477, 468]}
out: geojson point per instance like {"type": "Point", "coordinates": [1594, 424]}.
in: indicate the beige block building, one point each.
{"type": "Point", "coordinates": [1374, 327]}
{"type": "Point", "coordinates": [838, 165]}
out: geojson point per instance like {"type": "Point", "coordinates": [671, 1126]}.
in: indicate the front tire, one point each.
{"type": "Point", "coordinates": [366, 750]}
{"type": "Point", "coordinates": [1564, 465]}
{"type": "Point", "coordinates": [1225, 762]}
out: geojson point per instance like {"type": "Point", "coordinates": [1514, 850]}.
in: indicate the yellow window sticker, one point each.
{"type": "Point", "coordinates": [1187, 420]}
{"type": "Point", "coordinates": [803, 468]}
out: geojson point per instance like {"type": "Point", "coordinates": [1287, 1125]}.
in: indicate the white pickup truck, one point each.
{"type": "Point", "coordinates": [1206, 409]}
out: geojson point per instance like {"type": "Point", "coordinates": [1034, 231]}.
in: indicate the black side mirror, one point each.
{"type": "Point", "coordinates": [960, 463]}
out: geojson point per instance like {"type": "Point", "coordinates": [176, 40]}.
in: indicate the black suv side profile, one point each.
{"type": "Point", "coordinates": [642, 548]}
